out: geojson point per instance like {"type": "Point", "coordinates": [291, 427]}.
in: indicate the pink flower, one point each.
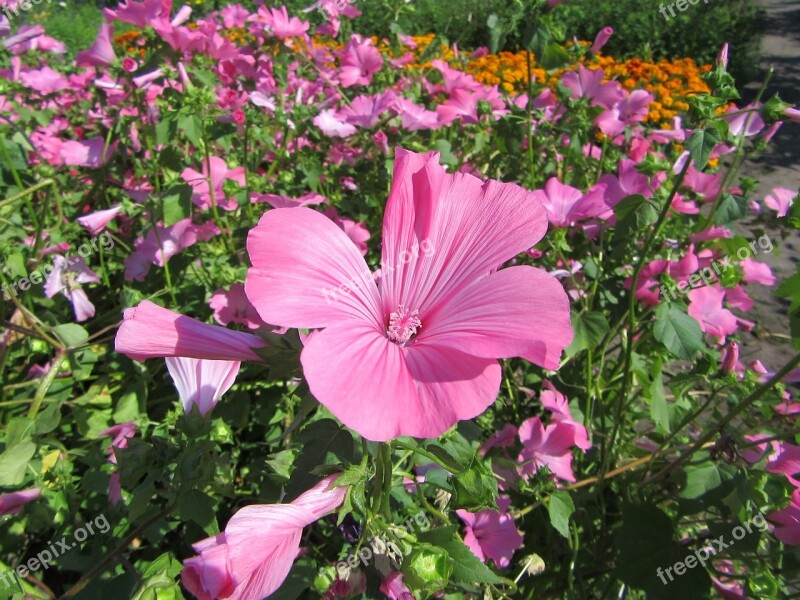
{"type": "Point", "coordinates": [234, 307]}
{"type": "Point", "coordinates": [140, 14]}
{"type": "Point", "coordinates": [757, 272]}
{"type": "Point", "coordinates": [219, 173]}
{"type": "Point", "coordinates": [600, 40]}
{"type": "Point", "coordinates": [786, 459]}
{"type": "Point", "coordinates": [722, 56]}
{"type": "Point", "coordinates": [565, 205]}
{"type": "Point", "coordinates": [101, 54]}
{"type": "Point", "coordinates": [392, 585]}
{"type": "Point", "coordinates": [129, 65]}
{"type": "Point", "coordinates": [88, 153]}
{"type": "Point", "coordinates": [549, 447]}
{"type": "Point", "coordinates": [792, 114]}
{"type": "Point", "coordinates": [500, 439]}
{"type": "Point", "coordinates": [588, 83]}
{"type": "Point", "coordinates": [730, 359]}
{"type": "Point", "coordinates": [558, 405]}
{"type": "Point", "coordinates": [747, 122]}
{"type": "Point", "coordinates": [788, 521]}
{"type": "Point", "coordinates": [161, 244]}
{"type": "Point", "coordinates": [150, 331]}
{"type": "Point", "coordinates": [11, 504]}
{"type": "Point", "coordinates": [421, 346]}
{"type": "Point", "coordinates": [119, 434]}
{"type": "Point", "coordinates": [627, 112]}
{"type": "Point", "coordinates": [255, 553]}
{"type": "Point", "coordinates": [357, 232]}
{"type": "Point", "coordinates": [415, 117]}
{"type": "Point", "coordinates": [491, 534]}
{"type": "Point", "coordinates": [705, 305]}
{"type": "Point", "coordinates": [65, 277]}
{"type": "Point", "coordinates": [280, 24]}
{"type": "Point", "coordinates": [201, 383]}
{"type": "Point", "coordinates": [96, 222]}
{"type": "Point", "coordinates": [780, 200]}
{"type": "Point", "coordinates": [360, 60]}
{"type": "Point", "coordinates": [366, 111]}
{"type": "Point", "coordinates": [332, 125]}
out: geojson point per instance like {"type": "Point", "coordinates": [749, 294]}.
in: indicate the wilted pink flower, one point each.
{"type": "Point", "coordinates": [12, 504]}
{"type": "Point", "coordinates": [549, 447]}
{"type": "Point", "coordinates": [65, 277]}
{"type": "Point", "coordinates": [491, 534]}
{"type": "Point", "coordinates": [421, 346]}
{"type": "Point", "coordinates": [201, 383]}
{"type": "Point", "coordinates": [233, 306]}
{"type": "Point", "coordinates": [96, 222]}
{"type": "Point", "coordinates": [119, 435]}
{"type": "Point", "coordinates": [255, 553]}
{"type": "Point", "coordinates": [101, 54]}
{"type": "Point", "coordinates": [150, 331]}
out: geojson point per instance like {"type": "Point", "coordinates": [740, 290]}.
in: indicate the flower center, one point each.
{"type": "Point", "coordinates": [403, 324]}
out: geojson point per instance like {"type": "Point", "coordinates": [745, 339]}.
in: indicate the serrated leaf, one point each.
{"type": "Point", "coordinates": [679, 332]}
{"type": "Point", "coordinates": [700, 146]}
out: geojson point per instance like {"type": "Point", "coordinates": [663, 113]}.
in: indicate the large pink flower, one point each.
{"type": "Point", "coordinates": [419, 348]}
{"type": "Point", "coordinates": [254, 554]}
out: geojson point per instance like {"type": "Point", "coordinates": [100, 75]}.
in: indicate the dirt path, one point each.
{"type": "Point", "coordinates": [778, 167]}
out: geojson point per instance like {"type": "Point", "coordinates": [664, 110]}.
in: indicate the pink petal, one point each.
{"type": "Point", "coordinates": [419, 391]}
{"type": "Point", "coordinates": [311, 279]}
{"type": "Point", "coordinates": [519, 311]}
{"type": "Point", "coordinates": [201, 382]}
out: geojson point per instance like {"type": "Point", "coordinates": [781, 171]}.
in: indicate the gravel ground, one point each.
{"type": "Point", "coordinates": [779, 166]}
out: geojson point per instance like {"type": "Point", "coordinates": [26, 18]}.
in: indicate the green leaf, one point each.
{"type": "Point", "coordinates": [445, 459]}
{"type": "Point", "coordinates": [731, 208]}
{"type": "Point", "coordinates": [14, 462]}
{"type": "Point", "coordinates": [701, 145]}
{"type": "Point", "coordinates": [475, 488]}
{"type": "Point", "coordinates": [659, 410]}
{"type": "Point", "coordinates": [176, 203]}
{"type": "Point", "coordinates": [560, 508]}
{"type": "Point", "coordinates": [71, 333]}
{"type": "Point", "coordinates": [323, 442]}
{"type": "Point", "coordinates": [554, 57]}
{"type": "Point", "coordinates": [195, 506]}
{"type": "Point", "coordinates": [467, 568]}
{"type": "Point", "coordinates": [590, 328]}
{"type": "Point", "coordinates": [645, 547]}
{"type": "Point", "coordinates": [49, 418]}
{"type": "Point", "coordinates": [634, 215]}
{"type": "Point", "coordinates": [446, 153]}
{"type": "Point", "coordinates": [679, 332]}
{"type": "Point", "coordinates": [192, 127]}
